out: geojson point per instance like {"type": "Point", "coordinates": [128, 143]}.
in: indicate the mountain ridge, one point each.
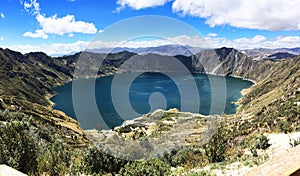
{"type": "Point", "coordinates": [172, 50]}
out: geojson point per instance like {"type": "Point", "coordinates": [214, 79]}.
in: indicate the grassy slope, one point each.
{"type": "Point", "coordinates": [30, 77]}
{"type": "Point", "coordinates": [272, 99]}
{"type": "Point", "coordinates": [26, 84]}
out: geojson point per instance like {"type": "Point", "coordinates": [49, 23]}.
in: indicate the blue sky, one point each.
{"type": "Point", "coordinates": [65, 26]}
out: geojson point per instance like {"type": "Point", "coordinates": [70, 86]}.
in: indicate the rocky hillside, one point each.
{"type": "Point", "coordinates": [26, 84]}
{"type": "Point", "coordinates": [261, 53]}
{"type": "Point", "coordinates": [31, 76]}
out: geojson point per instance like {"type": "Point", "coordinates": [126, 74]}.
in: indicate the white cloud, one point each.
{"type": "Point", "coordinates": [258, 41]}
{"type": "Point", "coordinates": [60, 26]}
{"type": "Point", "coordinates": [37, 34]}
{"type": "Point", "coordinates": [66, 24]}
{"type": "Point", "coordinates": [100, 31]}
{"type": "Point", "coordinates": [55, 25]}
{"type": "Point", "coordinates": [1, 38]}
{"type": "Point", "coordinates": [2, 15]}
{"type": "Point", "coordinates": [32, 6]}
{"type": "Point", "coordinates": [178, 40]}
{"type": "Point", "coordinates": [139, 4]}
{"type": "Point", "coordinates": [51, 49]}
{"type": "Point", "coordinates": [253, 14]}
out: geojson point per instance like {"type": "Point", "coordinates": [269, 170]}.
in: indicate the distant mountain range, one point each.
{"type": "Point", "coordinates": [280, 55]}
{"type": "Point", "coordinates": [170, 50]}
{"type": "Point", "coordinates": [272, 54]}
{"type": "Point", "coordinates": [173, 50]}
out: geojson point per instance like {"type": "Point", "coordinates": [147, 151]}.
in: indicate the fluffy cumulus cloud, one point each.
{"type": "Point", "coordinates": [139, 4]}
{"type": "Point", "coordinates": [36, 34]}
{"type": "Point", "coordinates": [253, 14]}
{"type": "Point", "coordinates": [60, 26]}
{"type": "Point", "coordinates": [2, 15]}
{"type": "Point", "coordinates": [56, 25]}
{"type": "Point", "coordinates": [67, 24]}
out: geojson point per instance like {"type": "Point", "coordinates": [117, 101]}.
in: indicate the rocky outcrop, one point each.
{"type": "Point", "coordinates": [155, 134]}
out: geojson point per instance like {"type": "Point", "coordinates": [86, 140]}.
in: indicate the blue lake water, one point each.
{"type": "Point", "coordinates": [147, 92]}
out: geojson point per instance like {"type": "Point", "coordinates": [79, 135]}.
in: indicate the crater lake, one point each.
{"type": "Point", "coordinates": [150, 91]}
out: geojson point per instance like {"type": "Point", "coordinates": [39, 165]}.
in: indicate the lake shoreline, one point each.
{"type": "Point", "coordinates": [230, 84]}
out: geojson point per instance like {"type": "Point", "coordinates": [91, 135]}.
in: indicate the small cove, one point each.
{"type": "Point", "coordinates": [150, 91]}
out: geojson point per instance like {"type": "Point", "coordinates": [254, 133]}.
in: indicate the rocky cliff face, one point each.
{"type": "Point", "coordinates": [223, 61]}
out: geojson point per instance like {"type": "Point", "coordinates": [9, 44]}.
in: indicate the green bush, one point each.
{"type": "Point", "coordinates": [254, 151]}
{"type": "Point", "coordinates": [153, 167]}
{"type": "Point", "coordinates": [294, 142]}
{"type": "Point", "coordinates": [31, 147]}
{"type": "Point", "coordinates": [201, 173]}
{"type": "Point", "coordinates": [186, 157]}
{"type": "Point", "coordinates": [285, 126]}
{"type": "Point", "coordinates": [100, 162]}
{"type": "Point", "coordinates": [55, 159]}
{"type": "Point", "coordinates": [215, 149]}
{"type": "Point", "coordinates": [18, 148]}
{"type": "Point", "coordinates": [262, 142]}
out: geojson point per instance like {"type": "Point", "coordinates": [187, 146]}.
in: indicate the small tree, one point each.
{"type": "Point", "coordinates": [215, 149]}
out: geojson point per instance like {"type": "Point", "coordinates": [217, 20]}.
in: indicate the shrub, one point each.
{"type": "Point", "coordinates": [253, 151]}
{"type": "Point", "coordinates": [215, 149]}
{"type": "Point", "coordinates": [201, 173]}
{"type": "Point", "coordinates": [100, 162]}
{"type": "Point", "coordinates": [285, 126]}
{"type": "Point", "coordinates": [262, 142]}
{"type": "Point", "coordinates": [294, 142]}
{"type": "Point", "coordinates": [186, 157]}
{"type": "Point", "coordinates": [18, 148]}
{"type": "Point", "coordinates": [153, 167]}
{"type": "Point", "coordinates": [55, 159]}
